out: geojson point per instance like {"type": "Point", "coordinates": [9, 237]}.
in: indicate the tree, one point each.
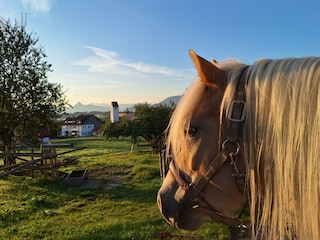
{"type": "Point", "coordinates": [111, 130]}
{"type": "Point", "coordinates": [123, 128]}
{"type": "Point", "coordinates": [151, 122]}
{"type": "Point", "coordinates": [28, 102]}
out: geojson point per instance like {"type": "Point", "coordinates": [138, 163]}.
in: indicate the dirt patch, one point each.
{"type": "Point", "coordinates": [106, 178]}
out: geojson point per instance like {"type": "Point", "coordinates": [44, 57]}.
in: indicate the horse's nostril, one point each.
{"type": "Point", "coordinates": [168, 206]}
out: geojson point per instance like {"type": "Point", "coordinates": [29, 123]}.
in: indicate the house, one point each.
{"type": "Point", "coordinates": [128, 116]}
{"type": "Point", "coordinates": [44, 137]}
{"type": "Point", "coordinates": [81, 126]}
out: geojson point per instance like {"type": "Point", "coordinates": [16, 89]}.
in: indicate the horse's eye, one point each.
{"type": "Point", "coordinates": [191, 131]}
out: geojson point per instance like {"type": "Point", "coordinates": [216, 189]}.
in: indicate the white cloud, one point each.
{"type": "Point", "coordinates": [105, 61]}
{"type": "Point", "coordinates": [38, 6]}
{"type": "Point", "coordinates": [110, 76]}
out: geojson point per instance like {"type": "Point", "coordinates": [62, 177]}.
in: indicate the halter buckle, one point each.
{"type": "Point", "coordinates": [237, 111]}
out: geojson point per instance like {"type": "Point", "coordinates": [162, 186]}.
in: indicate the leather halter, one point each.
{"type": "Point", "coordinates": [229, 149]}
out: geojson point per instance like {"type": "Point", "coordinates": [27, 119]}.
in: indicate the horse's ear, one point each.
{"type": "Point", "coordinates": [209, 73]}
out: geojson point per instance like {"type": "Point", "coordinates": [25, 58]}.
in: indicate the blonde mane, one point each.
{"type": "Point", "coordinates": [281, 141]}
{"type": "Point", "coordinates": [282, 137]}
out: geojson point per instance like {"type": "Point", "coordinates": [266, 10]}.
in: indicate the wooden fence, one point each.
{"type": "Point", "coordinates": [45, 160]}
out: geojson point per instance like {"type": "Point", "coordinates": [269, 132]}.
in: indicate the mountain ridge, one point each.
{"type": "Point", "coordinates": [105, 107]}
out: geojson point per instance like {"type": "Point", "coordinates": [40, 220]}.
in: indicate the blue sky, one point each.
{"type": "Point", "coordinates": [134, 51]}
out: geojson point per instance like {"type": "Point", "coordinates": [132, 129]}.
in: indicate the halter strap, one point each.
{"type": "Point", "coordinates": [229, 149]}
{"type": "Point", "coordinates": [237, 110]}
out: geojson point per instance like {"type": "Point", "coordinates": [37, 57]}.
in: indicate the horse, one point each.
{"type": "Point", "coordinates": [246, 137]}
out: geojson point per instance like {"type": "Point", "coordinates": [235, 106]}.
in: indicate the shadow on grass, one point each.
{"type": "Point", "coordinates": [34, 197]}
{"type": "Point", "coordinates": [117, 230]}
{"type": "Point", "coordinates": [134, 193]}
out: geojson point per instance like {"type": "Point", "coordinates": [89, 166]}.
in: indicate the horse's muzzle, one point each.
{"type": "Point", "coordinates": [182, 215]}
{"type": "Point", "coordinates": [168, 211]}
{"type": "Point", "coordinates": [176, 207]}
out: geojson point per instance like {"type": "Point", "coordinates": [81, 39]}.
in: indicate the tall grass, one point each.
{"type": "Point", "coordinates": [38, 208]}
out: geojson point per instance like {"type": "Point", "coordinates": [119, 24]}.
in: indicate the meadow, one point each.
{"type": "Point", "coordinates": [120, 203]}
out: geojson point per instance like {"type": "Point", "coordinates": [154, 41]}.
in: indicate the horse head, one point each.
{"type": "Point", "coordinates": [206, 162]}
{"type": "Point", "coordinates": [260, 121]}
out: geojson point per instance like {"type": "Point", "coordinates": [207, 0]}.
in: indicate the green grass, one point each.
{"type": "Point", "coordinates": [38, 208]}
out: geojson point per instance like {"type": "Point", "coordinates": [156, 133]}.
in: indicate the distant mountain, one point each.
{"type": "Point", "coordinates": [104, 107]}
{"type": "Point", "coordinates": [79, 107]}
{"type": "Point", "coordinates": [170, 100]}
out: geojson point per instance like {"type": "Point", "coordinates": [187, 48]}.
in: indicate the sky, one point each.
{"type": "Point", "coordinates": [136, 51]}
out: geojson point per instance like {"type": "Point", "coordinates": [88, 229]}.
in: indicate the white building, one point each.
{"type": "Point", "coordinates": [81, 126]}
{"type": "Point", "coordinates": [114, 112]}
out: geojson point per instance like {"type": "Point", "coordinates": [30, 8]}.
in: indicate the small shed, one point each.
{"type": "Point", "coordinates": [44, 137]}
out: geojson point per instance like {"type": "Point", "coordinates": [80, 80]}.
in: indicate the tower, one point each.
{"type": "Point", "coordinates": [114, 112]}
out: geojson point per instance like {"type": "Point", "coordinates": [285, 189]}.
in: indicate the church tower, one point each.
{"type": "Point", "coordinates": [114, 112]}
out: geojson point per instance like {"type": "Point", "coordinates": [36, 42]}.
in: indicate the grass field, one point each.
{"type": "Point", "coordinates": [39, 208]}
